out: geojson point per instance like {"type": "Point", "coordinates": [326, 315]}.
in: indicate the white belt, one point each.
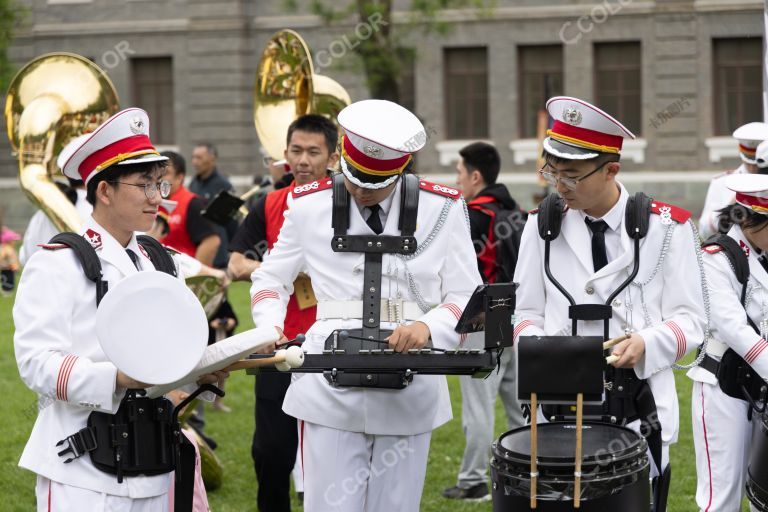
{"type": "Point", "coordinates": [392, 310]}
{"type": "Point", "coordinates": [716, 348]}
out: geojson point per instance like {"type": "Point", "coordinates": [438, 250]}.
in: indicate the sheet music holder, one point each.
{"type": "Point", "coordinates": [222, 207]}
{"type": "Point", "coordinates": [491, 309]}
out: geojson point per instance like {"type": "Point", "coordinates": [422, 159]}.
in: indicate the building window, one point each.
{"type": "Point", "coordinates": [540, 77]}
{"type": "Point", "coordinates": [466, 93]}
{"type": "Point", "coordinates": [407, 78]}
{"type": "Point", "coordinates": [152, 88]}
{"type": "Point", "coordinates": [618, 82]}
{"type": "Point", "coordinates": [738, 78]}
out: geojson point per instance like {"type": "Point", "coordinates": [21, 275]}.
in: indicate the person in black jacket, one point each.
{"type": "Point", "coordinates": [489, 203]}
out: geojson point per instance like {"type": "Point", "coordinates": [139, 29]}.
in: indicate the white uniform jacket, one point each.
{"type": "Point", "coordinates": [729, 323]}
{"type": "Point", "coordinates": [40, 228]}
{"type": "Point", "coordinates": [718, 197]}
{"type": "Point", "coordinates": [60, 359]}
{"type": "Point", "coordinates": [663, 304]}
{"type": "Point", "coordinates": [444, 271]}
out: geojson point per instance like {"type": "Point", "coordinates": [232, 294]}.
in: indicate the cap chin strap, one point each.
{"type": "Point", "coordinates": [362, 184]}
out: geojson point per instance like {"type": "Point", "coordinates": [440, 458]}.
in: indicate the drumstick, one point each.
{"type": "Point", "coordinates": [615, 341]}
{"type": "Point", "coordinates": [612, 359]}
{"type": "Point", "coordinates": [577, 472]}
{"type": "Point", "coordinates": [534, 445]}
{"type": "Point", "coordinates": [293, 358]}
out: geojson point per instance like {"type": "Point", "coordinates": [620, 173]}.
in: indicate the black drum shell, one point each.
{"type": "Point", "coordinates": [615, 477]}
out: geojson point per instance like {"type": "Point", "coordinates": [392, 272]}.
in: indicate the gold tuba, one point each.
{"type": "Point", "coordinates": [51, 100]}
{"type": "Point", "coordinates": [287, 87]}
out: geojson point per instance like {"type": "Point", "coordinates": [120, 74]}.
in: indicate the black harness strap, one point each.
{"type": "Point", "coordinates": [735, 376]}
{"type": "Point", "coordinates": [91, 264]}
{"type": "Point", "coordinates": [374, 247]}
{"type": "Point", "coordinates": [158, 255]}
{"type": "Point", "coordinates": [88, 258]}
{"type": "Point", "coordinates": [628, 397]}
{"type": "Point", "coordinates": [144, 437]}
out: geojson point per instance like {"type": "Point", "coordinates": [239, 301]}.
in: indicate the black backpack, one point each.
{"type": "Point", "coordinates": [506, 226]}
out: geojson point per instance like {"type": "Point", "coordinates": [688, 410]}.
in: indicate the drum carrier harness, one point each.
{"type": "Point", "coordinates": [735, 376]}
{"type": "Point", "coordinates": [373, 246]}
{"type": "Point", "coordinates": [627, 398]}
{"type": "Point", "coordinates": [144, 436]}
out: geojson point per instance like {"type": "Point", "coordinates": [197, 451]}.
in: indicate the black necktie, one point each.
{"type": "Point", "coordinates": [374, 220]}
{"type": "Point", "coordinates": [134, 258]}
{"type": "Point", "coordinates": [599, 256]}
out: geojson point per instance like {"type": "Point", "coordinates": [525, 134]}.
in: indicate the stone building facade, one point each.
{"type": "Point", "coordinates": [681, 73]}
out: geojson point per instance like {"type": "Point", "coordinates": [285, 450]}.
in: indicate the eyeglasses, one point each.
{"type": "Point", "coordinates": [569, 183]}
{"type": "Point", "coordinates": [151, 188]}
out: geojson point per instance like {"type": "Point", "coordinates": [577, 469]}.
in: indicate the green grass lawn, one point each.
{"type": "Point", "coordinates": [233, 431]}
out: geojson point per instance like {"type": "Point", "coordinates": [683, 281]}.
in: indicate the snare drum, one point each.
{"type": "Point", "coordinates": [615, 469]}
{"type": "Point", "coordinates": [757, 475]}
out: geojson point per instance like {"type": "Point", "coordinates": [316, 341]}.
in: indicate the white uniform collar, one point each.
{"type": "Point", "coordinates": [615, 215]}
{"type": "Point", "coordinates": [386, 204]}
{"type": "Point", "coordinates": [109, 249]}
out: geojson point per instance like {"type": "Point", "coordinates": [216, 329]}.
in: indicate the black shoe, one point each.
{"type": "Point", "coordinates": [300, 496]}
{"type": "Point", "coordinates": [477, 492]}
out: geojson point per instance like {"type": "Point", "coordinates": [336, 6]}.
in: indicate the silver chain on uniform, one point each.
{"type": "Point", "coordinates": [423, 305]}
{"type": "Point", "coordinates": [704, 292]}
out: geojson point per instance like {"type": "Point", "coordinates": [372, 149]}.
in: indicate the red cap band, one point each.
{"type": "Point", "coordinates": [758, 204]}
{"type": "Point", "coordinates": [365, 163]}
{"type": "Point", "coordinates": [138, 144]}
{"type": "Point", "coordinates": [590, 137]}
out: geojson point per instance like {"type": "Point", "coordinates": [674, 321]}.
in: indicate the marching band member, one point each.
{"type": "Point", "coordinates": [593, 256]}
{"type": "Point", "coordinates": [738, 283]}
{"type": "Point", "coordinates": [310, 152]}
{"type": "Point", "coordinates": [718, 195]}
{"type": "Point", "coordinates": [57, 351]}
{"type": "Point", "coordinates": [364, 448]}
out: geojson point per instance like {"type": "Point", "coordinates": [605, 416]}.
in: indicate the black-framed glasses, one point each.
{"type": "Point", "coordinates": [568, 182]}
{"type": "Point", "coordinates": [150, 188]}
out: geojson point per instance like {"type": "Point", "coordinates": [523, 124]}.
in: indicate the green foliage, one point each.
{"type": "Point", "coordinates": [11, 16]}
{"type": "Point", "coordinates": [380, 53]}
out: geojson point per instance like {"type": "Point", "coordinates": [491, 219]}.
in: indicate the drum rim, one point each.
{"type": "Point", "coordinates": [629, 452]}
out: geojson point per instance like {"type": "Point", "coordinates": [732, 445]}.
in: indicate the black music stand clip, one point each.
{"type": "Point", "coordinates": [491, 309]}
{"type": "Point", "coordinates": [556, 368]}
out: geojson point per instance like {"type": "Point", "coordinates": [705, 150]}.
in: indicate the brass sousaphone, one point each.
{"type": "Point", "coordinates": [287, 87]}
{"type": "Point", "coordinates": [52, 100]}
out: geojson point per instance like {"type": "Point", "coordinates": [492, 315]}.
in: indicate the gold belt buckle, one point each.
{"type": "Point", "coordinates": [305, 295]}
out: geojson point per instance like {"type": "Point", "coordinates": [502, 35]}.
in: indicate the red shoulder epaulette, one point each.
{"type": "Point", "coordinates": [440, 190]}
{"type": "Point", "coordinates": [309, 188]}
{"type": "Point", "coordinates": [677, 214]}
{"type": "Point", "coordinates": [712, 249]}
{"type": "Point", "coordinates": [52, 247]}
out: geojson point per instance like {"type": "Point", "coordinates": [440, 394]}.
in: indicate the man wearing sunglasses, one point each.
{"type": "Point", "coordinates": [661, 309]}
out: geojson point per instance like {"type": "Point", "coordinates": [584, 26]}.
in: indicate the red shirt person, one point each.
{"type": "Point", "coordinates": [188, 231]}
